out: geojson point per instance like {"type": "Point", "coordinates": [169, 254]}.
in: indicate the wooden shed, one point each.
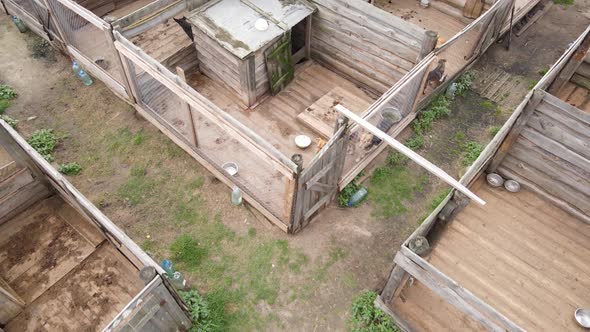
{"type": "Point", "coordinates": [247, 44]}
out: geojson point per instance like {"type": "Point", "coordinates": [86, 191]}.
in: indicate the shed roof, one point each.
{"type": "Point", "coordinates": [231, 22]}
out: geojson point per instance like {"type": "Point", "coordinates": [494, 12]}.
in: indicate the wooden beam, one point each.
{"type": "Point", "coordinates": [85, 13]}
{"type": "Point", "coordinates": [182, 76]}
{"type": "Point", "coordinates": [148, 9]}
{"type": "Point", "coordinates": [428, 44]}
{"type": "Point", "coordinates": [409, 153]}
{"type": "Point", "coordinates": [454, 293]}
{"type": "Point", "coordinates": [520, 123]}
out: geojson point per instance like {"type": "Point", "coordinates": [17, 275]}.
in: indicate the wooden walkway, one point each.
{"type": "Point", "coordinates": [521, 255]}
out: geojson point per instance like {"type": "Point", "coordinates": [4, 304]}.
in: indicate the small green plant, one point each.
{"type": "Point", "coordinates": [395, 158]}
{"type": "Point", "coordinates": [472, 150]}
{"type": "Point", "coordinates": [543, 71]}
{"type": "Point", "coordinates": [199, 310]}
{"type": "Point", "coordinates": [563, 2]}
{"type": "Point", "coordinates": [44, 141]}
{"type": "Point", "coordinates": [437, 109]}
{"type": "Point", "coordinates": [6, 92]}
{"type": "Point", "coordinates": [347, 192]}
{"type": "Point", "coordinates": [70, 168]}
{"type": "Point", "coordinates": [438, 199]}
{"type": "Point", "coordinates": [493, 130]}
{"type": "Point", "coordinates": [11, 122]}
{"type": "Point", "coordinates": [187, 251]}
{"type": "Point", "coordinates": [365, 317]}
{"type": "Point", "coordinates": [415, 142]}
{"type": "Point", "coordinates": [487, 105]}
{"type": "Point", "coordinates": [4, 103]}
{"type": "Point", "coordinates": [532, 84]}
{"type": "Point", "coordinates": [464, 82]}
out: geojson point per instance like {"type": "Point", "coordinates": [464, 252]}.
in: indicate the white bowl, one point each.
{"type": "Point", "coordinates": [583, 317]}
{"type": "Point", "coordinates": [302, 141]}
{"type": "Point", "coordinates": [231, 168]}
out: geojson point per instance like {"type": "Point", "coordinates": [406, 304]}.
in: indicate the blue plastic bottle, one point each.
{"type": "Point", "coordinates": [76, 68]}
{"type": "Point", "coordinates": [167, 266]}
{"type": "Point", "coordinates": [86, 79]}
{"type": "Point", "coordinates": [358, 196]}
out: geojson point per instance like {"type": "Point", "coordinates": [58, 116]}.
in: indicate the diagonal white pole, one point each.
{"type": "Point", "coordinates": [410, 154]}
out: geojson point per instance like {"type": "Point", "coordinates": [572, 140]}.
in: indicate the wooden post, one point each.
{"type": "Point", "coordinates": [308, 33]}
{"type": "Point", "coordinates": [511, 25]}
{"type": "Point", "coordinates": [187, 107]}
{"type": "Point", "coordinates": [111, 41]}
{"type": "Point", "coordinates": [428, 44]}
{"type": "Point", "coordinates": [570, 68]}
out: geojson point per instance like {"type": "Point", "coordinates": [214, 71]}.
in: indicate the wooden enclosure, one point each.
{"type": "Point", "coordinates": [217, 102]}
{"type": "Point", "coordinates": [533, 242]}
{"type": "Point", "coordinates": [66, 266]}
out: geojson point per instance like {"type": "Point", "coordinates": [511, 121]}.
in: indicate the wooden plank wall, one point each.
{"type": "Point", "coordinates": [552, 154]}
{"type": "Point", "coordinates": [368, 45]}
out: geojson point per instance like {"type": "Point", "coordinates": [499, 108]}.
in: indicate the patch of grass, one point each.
{"type": "Point", "coordinates": [44, 141]}
{"type": "Point", "coordinates": [335, 254]}
{"type": "Point", "coordinates": [70, 168]}
{"type": "Point", "coordinates": [437, 109]}
{"type": "Point", "coordinates": [138, 187]}
{"type": "Point", "coordinates": [251, 232]}
{"type": "Point", "coordinates": [187, 251]}
{"type": "Point", "coordinates": [493, 130]}
{"type": "Point", "coordinates": [365, 317]}
{"type": "Point", "coordinates": [124, 139]}
{"type": "Point", "coordinates": [390, 187]}
{"type": "Point", "coordinates": [299, 260]}
{"type": "Point", "coordinates": [416, 142]}
{"type": "Point", "coordinates": [472, 150]}
{"type": "Point", "coordinates": [395, 158]}
{"type": "Point", "coordinates": [460, 136]}
{"type": "Point", "coordinates": [40, 48]}
{"type": "Point", "coordinates": [148, 245]}
{"type": "Point", "coordinates": [532, 84]}
{"type": "Point", "coordinates": [11, 122]}
{"type": "Point", "coordinates": [487, 105]}
{"type": "Point", "coordinates": [4, 105]}
{"type": "Point", "coordinates": [438, 199]}
{"type": "Point", "coordinates": [349, 190]}
{"type": "Point", "coordinates": [563, 2]}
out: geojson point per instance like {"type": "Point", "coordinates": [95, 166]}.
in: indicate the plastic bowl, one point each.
{"type": "Point", "coordinates": [230, 167]}
{"type": "Point", "coordinates": [302, 141]}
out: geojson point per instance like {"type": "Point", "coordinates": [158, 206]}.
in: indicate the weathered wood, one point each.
{"type": "Point", "coordinates": [247, 77]}
{"type": "Point", "coordinates": [555, 148]}
{"type": "Point", "coordinates": [560, 133]}
{"type": "Point", "coordinates": [21, 199]}
{"type": "Point", "coordinates": [428, 44]}
{"type": "Point", "coordinates": [154, 19]}
{"type": "Point", "coordinates": [85, 13]}
{"type": "Point", "coordinates": [518, 126]}
{"type": "Point", "coordinates": [449, 289]}
{"type": "Point", "coordinates": [572, 65]}
{"type": "Point", "coordinates": [10, 304]}
{"type": "Point", "coordinates": [409, 153]}
{"type": "Point", "coordinates": [194, 140]}
{"type": "Point", "coordinates": [146, 10]}
{"type": "Point", "coordinates": [535, 18]}
{"type": "Point", "coordinates": [581, 81]}
{"type": "Point", "coordinates": [18, 180]}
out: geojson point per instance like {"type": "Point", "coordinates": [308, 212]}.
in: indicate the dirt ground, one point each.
{"type": "Point", "coordinates": [156, 193]}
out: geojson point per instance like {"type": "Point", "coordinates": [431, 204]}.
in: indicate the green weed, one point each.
{"type": "Point", "coordinates": [437, 109]}
{"type": "Point", "coordinates": [4, 105]}
{"type": "Point", "coordinates": [472, 150]}
{"type": "Point", "coordinates": [563, 2]}
{"type": "Point", "coordinates": [365, 317]}
{"type": "Point", "coordinates": [395, 158]}
{"type": "Point", "coordinates": [44, 141]}
{"type": "Point", "coordinates": [487, 105]}
{"type": "Point", "coordinates": [493, 130]}
{"type": "Point", "coordinates": [123, 139]}
{"type": "Point", "coordinates": [70, 168]}
{"type": "Point", "coordinates": [438, 199]}
{"type": "Point", "coordinates": [533, 83]}
{"type": "Point", "coordinates": [199, 311]}
{"type": "Point", "coordinates": [464, 82]}
{"type": "Point", "coordinates": [415, 142]}
{"type": "Point", "coordinates": [251, 232]}
{"type": "Point", "coordinates": [543, 71]}
{"type": "Point", "coordinates": [11, 122]}
{"type": "Point", "coordinates": [6, 92]}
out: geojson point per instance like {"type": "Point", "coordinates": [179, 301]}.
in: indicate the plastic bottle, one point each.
{"type": "Point", "coordinates": [178, 280]}
{"type": "Point", "coordinates": [76, 68]}
{"type": "Point", "coordinates": [451, 90]}
{"type": "Point", "coordinates": [236, 196]}
{"type": "Point", "coordinates": [21, 26]}
{"type": "Point", "coordinates": [168, 267]}
{"type": "Point", "coordinates": [86, 79]}
{"type": "Point", "coordinates": [358, 196]}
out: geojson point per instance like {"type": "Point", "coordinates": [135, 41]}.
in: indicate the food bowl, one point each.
{"type": "Point", "coordinates": [302, 141]}
{"type": "Point", "coordinates": [392, 114]}
{"type": "Point", "coordinates": [512, 186]}
{"type": "Point", "coordinates": [583, 317]}
{"type": "Point", "coordinates": [495, 180]}
{"type": "Point", "coordinates": [230, 167]}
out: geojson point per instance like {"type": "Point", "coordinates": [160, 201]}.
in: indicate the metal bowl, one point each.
{"type": "Point", "coordinates": [495, 180]}
{"type": "Point", "coordinates": [583, 317]}
{"type": "Point", "coordinates": [512, 186]}
{"type": "Point", "coordinates": [230, 167]}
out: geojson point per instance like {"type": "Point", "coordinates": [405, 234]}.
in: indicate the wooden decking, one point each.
{"type": "Point", "coordinates": [520, 254]}
{"type": "Point", "coordinates": [69, 277]}
{"type": "Point", "coordinates": [275, 118]}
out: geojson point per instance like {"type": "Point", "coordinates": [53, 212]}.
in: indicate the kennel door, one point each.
{"type": "Point", "coordinates": [279, 63]}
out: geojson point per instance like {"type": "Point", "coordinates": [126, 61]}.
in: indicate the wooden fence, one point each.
{"type": "Point", "coordinates": [267, 178]}
{"type": "Point", "coordinates": [492, 157]}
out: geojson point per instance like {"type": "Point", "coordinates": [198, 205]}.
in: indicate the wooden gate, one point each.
{"type": "Point", "coordinates": [317, 184]}
{"type": "Point", "coordinates": [279, 64]}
